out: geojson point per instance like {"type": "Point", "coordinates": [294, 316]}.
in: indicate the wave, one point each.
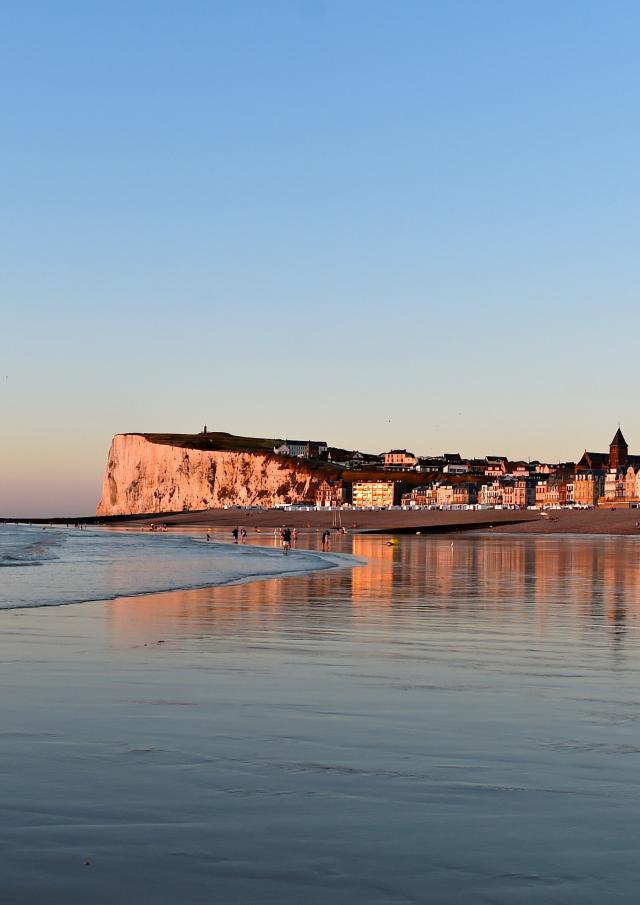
{"type": "Point", "coordinates": [18, 547]}
{"type": "Point", "coordinates": [84, 566]}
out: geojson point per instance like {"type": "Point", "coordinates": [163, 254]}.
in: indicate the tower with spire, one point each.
{"type": "Point", "coordinates": [618, 452]}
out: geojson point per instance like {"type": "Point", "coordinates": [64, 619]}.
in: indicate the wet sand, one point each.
{"type": "Point", "coordinates": [454, 722]}
{"type": "Point", "coordinates": [581, 521]}
{"type": "Point", "coordinates": [361, 520]}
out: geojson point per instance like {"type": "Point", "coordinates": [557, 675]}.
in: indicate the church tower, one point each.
{"type": "Point", "coordinates": [618, 452]}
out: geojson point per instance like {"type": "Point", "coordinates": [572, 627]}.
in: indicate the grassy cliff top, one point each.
{"type": "Point", "coordinates": [215, 440]}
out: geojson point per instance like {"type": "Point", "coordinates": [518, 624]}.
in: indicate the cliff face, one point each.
{"type": "Point", "coordinates": [144, 477]}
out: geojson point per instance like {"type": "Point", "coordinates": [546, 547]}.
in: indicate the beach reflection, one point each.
{"type": "Point", "coordinates": [570, 584]}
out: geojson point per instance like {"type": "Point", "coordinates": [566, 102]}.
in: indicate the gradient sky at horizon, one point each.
{"type": "Point", "coordinates": [384, 224]}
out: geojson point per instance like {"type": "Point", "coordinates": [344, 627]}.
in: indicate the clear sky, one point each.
{"type": "Point", "coordinates": [380, 223]}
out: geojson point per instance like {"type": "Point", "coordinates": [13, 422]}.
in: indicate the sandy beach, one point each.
{"type": "Point", "coordinates": [579, 521]}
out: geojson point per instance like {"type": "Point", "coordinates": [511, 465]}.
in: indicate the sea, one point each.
{"type": "Point", "coordinates": [55, 565]}
{"type": "Point", "coordinates": [455, 719]}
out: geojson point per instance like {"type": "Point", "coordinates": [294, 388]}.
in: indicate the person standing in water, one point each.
{"type": "Point", "coordinates": [326, 539]}
{"type": "Point", "coordinates": [286, 540]}
{"type": "Point", "coordinates": [235, 535]}
{"type": "Point", "coordinates": [294, 536]}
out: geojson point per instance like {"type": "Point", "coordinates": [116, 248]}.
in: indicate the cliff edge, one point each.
{"type": "Point", "coordinates": [145, 476]}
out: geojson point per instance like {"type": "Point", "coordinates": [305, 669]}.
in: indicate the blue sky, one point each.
{"type": "Point", "coordinates": [377, 223]}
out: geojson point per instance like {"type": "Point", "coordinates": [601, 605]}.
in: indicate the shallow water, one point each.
{"type": "Point", "coordinates": [55, 565]}
{"type": "Point", "coordinates": [450, 723]}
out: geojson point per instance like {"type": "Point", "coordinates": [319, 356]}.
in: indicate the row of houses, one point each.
{"type": "Point", "coordinates": [403, 460]}
{"type": "Point", "coordinates": [454, 464]}
{"type": "Point", "coordinates": [302, 449]}
{"type": "Point", "coordinates": [611, 478]}
{"type": "Point", "coordinates": [598, 479]}
{"type": "Point", "coordinates": [509, 491]}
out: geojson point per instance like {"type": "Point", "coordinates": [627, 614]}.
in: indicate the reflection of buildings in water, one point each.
{"type": "Point", "coordinates": [373, 582]}
{"type": "Point", "coordinates": [580, 575]}
{"type": "Point", "coordinates": [439, 571]}
{"type": "Point", "coordinates": [586, 566]}
{"type": "Point", "coordinates": [551, 571]}
{"type": "Point", "coordinates": [457, 570]}
{"type": "Point", "coordinates": [583, 580]}
{"type": "Point", "coordinates": [583, 576]}
{"type": "Point", "coordinates": [620, 580]}
{"type": "Point", "coordinates": [593, 577]}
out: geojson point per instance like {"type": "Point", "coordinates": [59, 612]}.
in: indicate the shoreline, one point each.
{"type": "Point", "coordinates": [322, 561]}
{"type": "Point", "coordinates": [563, 521]}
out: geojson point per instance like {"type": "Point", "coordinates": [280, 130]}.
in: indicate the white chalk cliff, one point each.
{"type": "Point", "coordinates": [145, 477]}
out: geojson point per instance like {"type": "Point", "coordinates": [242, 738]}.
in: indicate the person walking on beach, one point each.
{"type": "Point", "coordinates": [243, 536]}
{"type": "Point", "coordinates": [286, 540]}
{"type": "Point", "coordinates": [208, 536]}
{"type": "Point", "coordinates": [326, 541]}
{"type": "Point", "coordinates": [235, 533]}
{"type": "Point", "coordinates": [294, 536]}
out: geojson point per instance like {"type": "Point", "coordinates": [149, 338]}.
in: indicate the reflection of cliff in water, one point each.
{"type": "Point", "coordinates": [568, 584]}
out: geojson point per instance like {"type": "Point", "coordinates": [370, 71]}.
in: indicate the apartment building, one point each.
{"type": "Point", "coordinates": [377, 494]}
{"type": "Point", "coordinates": [588, 487]}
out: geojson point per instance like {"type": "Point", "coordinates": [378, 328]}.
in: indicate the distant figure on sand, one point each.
{"type": "Point", "coordinates": [243, 535]}
{"type": "Point", "coordinates": [286, 540]}
{"type": "Point", "coordinates": [294, 536]}
{"type": "Point", "coordinates": [208, 537]}
{"type": "Point", "coordinates": [235, 533]}
{"type": "Point", "coordinates": [326, 540]}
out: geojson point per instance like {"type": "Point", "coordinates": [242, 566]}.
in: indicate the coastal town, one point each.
{"type": "Point", "coordinates": [399, 478]}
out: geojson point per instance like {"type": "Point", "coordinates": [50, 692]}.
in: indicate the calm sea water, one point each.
{"type": "Point", "coordinates": [453, 722]}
